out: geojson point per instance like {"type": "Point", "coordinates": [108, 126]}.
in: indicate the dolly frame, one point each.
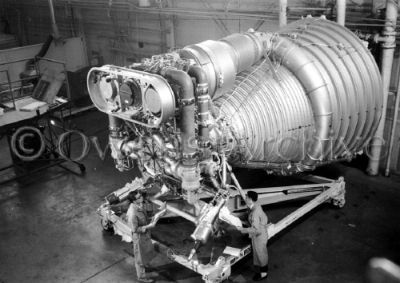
{"type": "Point", "coordinates": [323, 190]}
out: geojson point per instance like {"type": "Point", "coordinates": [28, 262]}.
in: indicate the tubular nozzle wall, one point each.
{"type": "Point", "coordinates": [320, 100]}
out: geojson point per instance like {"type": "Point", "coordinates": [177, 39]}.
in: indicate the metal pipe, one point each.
{"type": "Point", "coordinates": [341, 12]}
{"type": "Point", "coordinates": [115, 126]}
{"type": "Point", "coordinates": [335, 191]}
{"type": "Point", "coordinates": [393, 130]}
{"type": "Point", "coordinates": [187, 122]}
{"type": "Point", "coordinates": [236, 182]}
{"type": "Point", "coordinates": [305, 69]}
{"type": "Point", "coordinates": [203, 100]}
{"type": "Point", "coordinates": [224, 165]}
{"type": "Point", "coordinates": [388, 46]}
{"type": "Point", "coordinates": [222, 60]}
{"type": "Point", "coordinates": [175, 211]}
{"type": "Point", "coordinates": [282, 13]}
{"type": "Point", "coordinates": [56, 33]}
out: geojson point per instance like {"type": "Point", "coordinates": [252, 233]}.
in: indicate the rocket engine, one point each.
{"type": "Point", "coordinates": [286, 102]}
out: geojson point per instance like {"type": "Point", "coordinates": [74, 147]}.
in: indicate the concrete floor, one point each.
{"type": "Point", "coordinates": [50, 232]}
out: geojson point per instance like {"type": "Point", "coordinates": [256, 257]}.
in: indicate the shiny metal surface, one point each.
{"type": "Point", "coordinates": [344, 61]}
{"type": "Point", "coordinates": [321, 72]}
{"type": "Point", "coordinates": [269, 117]}
{"type": "Point", "coordinates": [149, 104]}
{"type": "Point", "coordinates": [286, 102]}
{"type": "Point", "coordinates": [223, 59]}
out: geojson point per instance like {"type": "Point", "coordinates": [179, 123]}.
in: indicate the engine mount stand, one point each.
{"type": "Point", "coordinates": [321, 189]}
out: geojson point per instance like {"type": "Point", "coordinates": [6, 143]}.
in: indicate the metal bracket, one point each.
{"type": "Point", "coordinates": [185, 102]}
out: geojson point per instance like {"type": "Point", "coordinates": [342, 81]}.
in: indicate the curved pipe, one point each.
{"type": "Point", "coordinates": [187, 123]}
{"type": "Point", "coordinates": [222, 60]}
{"type": "Point", "coordinates": [353, 80]}
{"type": "Point", "coordinates": [304, 68]}
{"type": "Point", "coordinates": [203, 100]}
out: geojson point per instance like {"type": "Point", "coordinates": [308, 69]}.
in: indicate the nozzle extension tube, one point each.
{"type": "Point", "coordinates": [187, 123]}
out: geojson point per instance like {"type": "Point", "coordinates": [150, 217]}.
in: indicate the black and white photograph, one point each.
{"type": "Point", "coordinates": [199, 141]}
